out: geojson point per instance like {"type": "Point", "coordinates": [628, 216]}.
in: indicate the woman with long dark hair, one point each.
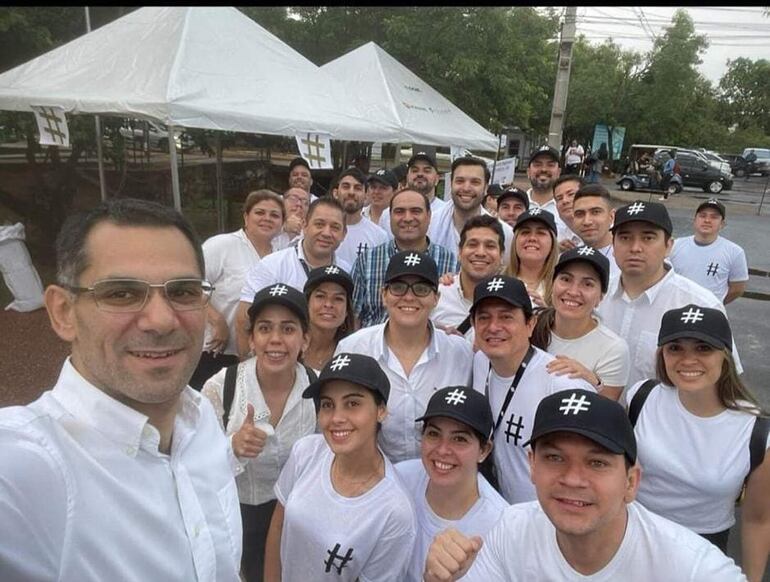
{"type": "Point", "coordinates": [694, 425]}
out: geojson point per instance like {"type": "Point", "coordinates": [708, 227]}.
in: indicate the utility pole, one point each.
{"type": "Point", "coordinates": [561, 90]}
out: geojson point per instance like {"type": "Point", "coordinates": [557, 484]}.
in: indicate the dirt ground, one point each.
{"type": "Point", "coordinates": [31, 355]}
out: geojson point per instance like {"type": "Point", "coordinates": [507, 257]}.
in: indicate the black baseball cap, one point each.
{"type": "Point", "coordinates": [412, 263]}
{"type": "Point", "coordinates": [586, 413]}
{"type": "Point", "coordinates": [494, 190]}
{"type": "Point", "coordinates": [384, 176]}
{"type": "Point", "coordinates": [509, 289]}
{"type": "Point", "coordinates": [356, 368]}
{"type": "Point", "coordinates": [279, 294]}
{"type": "Point", "coordinates": [425, 157]}
{"type": "Point", "coordinates": [653, 212]}
{"type": "Point", "coordinates": [695, 322]}
{"type": "Point", "coordinates": [517, 193]}
{"type": "Point", "coordinates": [331, 273]}
{"type": "Point", "coordinates": [712, 203]}
{"type": "Point", "coordinates": [400, 172]}
{"type": "Point", "coordinates": [589, 255]}
{"type": "Point", "coordinates": [537, 214]}
{"type": "Point", "coordinates": [544, 150]}
{"type": "Point", "coordinates": [463, 404]}
{"type": "Point", "coordinates": [298, 161]}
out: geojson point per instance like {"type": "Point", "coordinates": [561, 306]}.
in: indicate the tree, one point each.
{"type": "Point", "coordinates": [744, 92]}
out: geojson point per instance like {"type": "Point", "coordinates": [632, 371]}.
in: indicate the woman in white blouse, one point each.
{"type": "Point", "coordinates": [693, 426]}
{"type": "Point", "coordinates": [583, 346]}
{"type": "Point", "coordinates": [229, 257]}
{"type": "Point", "coordinates": [262, 409]}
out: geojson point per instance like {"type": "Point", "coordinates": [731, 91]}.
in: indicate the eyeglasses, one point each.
{"type": "Point", "coordinates": [419, 288]}
{"type": "Point", "coordinates": [297, 200]}
{"type": "Point", "coordinates": [130, 295]}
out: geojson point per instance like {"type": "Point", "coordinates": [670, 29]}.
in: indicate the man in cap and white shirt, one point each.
{"type": "Point", "coordinates": [512, 203]}
{"type": "Point", "coordinates": [513, 374]}
{"type": "Point", "coordinates": [379, 189]}
{"type": "Point", "coordinates": [647, 287]}
{"type": "Point", "coordinates": [416, 357]}
{"type": "Point", "coordinates": [322, 234]}
{"type": "Point", "coordinates": [421, 175]}
{"type": "Point", "coordinates": [543, 170]}
{"type": "Point", "coordinates": [470, 177]}
{"type": "Point", "coordinates": [362, 234]}
{"type": "Point", "coordinates": [585, 524]}
{"type": "Point", "coordinates": [711, 260]}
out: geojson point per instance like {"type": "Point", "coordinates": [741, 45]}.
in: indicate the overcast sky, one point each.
{"type": "Point", "coordinates": [733, 32]}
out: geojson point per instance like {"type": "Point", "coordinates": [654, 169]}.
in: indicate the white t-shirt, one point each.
{"type": "Point", "coordinates": [693, 467]}
{"type": "Point", "coordinates": [229, 257]}
{"type": "Point", "coordinates": [601, 350]}
{"type": "Point", "coordinates": [445, 362]}
{"type": "Point", "coordinates": [327, 536]}
{"type": "Point", "coordinates": [281, 267]}
{"type": "Point", "coordinates": [452, 307]}
{"type": "Point", "coordinates": [258, 475]}
{"type": "Point", "coordinates": [478, 520]}
{"type": "Point", "coordinates": [442, 230]}
{"type": "Point", "coordinates": [573, 155]}
{"type": "Point", "coordinates": [713, 266]}
{"type": "Point", "coordinates": [638, 320]}
{"type": "Point", "coordinates": [358, 238]}
{"type": "Point", "coordinates": [516, 426]}
{"type": "Point", "coordinates": [523, 547]}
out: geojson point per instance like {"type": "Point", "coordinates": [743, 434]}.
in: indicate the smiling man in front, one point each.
{"type": "Point", "coordinates": [121, 471]}
{"type": "Point", "coordinates": [585, 524]}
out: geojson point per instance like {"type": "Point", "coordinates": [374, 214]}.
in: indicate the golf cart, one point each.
{"type": "Point", "coordinates": [643, 171]}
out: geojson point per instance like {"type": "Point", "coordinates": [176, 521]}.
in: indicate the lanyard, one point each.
{"type": "Point", "coordinates": [302, 261]}
{"type": "Point", "coordinates": [512, 388]}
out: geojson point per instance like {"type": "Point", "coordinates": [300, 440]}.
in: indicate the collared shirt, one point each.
{"type": "Point", "coordinates": [86, 495]}
{"type": "Point", "coordinates": [447, 361]}
{"type": "Point", "coordinates": [282, 267]}
{"type": "Point", "coordinates": [609, 252]}
{"type": "Point", "coordinates": [453, 307]}
{"type": "Point", "coordinates": [638, 320]}
{"type": "Point", "coordinates": [359, 238]}
{"type": "Point", "coordinates": [229, 257]}
{"type": "Point", "coordinates": [257, 476]}
{"type": "Point", "coordinates": [442, 230]}
{"type": "Point", "coordinates": [384, 222]}
{"type": "Point", "coordinates": [369, 276]}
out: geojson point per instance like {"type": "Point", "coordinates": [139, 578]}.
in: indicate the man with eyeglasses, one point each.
{"type": "Point", "coordinates": [296, 203]}
{"type": "Point", "coordinates": [415, 355]}
{"type": "Point", "coordinates": [121, 457]}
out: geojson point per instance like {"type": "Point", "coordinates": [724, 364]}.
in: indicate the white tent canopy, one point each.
{"type": "Point", "coordinates": [396, 96]}
{"type": "Point", "coordinates": [202, 67]}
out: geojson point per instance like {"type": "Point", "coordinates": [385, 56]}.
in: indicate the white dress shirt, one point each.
{"type": "Point", "coordinates": [609, 252]}
{"type": "Point", "coordinates": [442, 230]}
{"type": "Point", "coordinates": [447, 361]}
{"type": "Point", "coordinates": [229, 257]}
{"type": "Point", "coordinates": [86, 495]}
{"type": "Point", "coordinates": [638, 320]}
{"type": "Point", "coordinates": [285, 267]}
{"type": "Point", "coordinates": [258, 475]}
{"type": "Point", "coordinates": [452, 307]}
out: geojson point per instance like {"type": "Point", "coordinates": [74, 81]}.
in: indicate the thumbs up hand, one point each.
{"type": "Point", "coordinates": [249, 440]}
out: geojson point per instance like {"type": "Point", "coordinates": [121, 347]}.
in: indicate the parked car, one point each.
{"type": "Point", "coordinates": [716, 160]}
{"type": "Point", "coordinates": [761, 164]}
{"type": "Point", "coordinates": [697, 171]}
{"type": "Point", "coordinates": [133, 131]}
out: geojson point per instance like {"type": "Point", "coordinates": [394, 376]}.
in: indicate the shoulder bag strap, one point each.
{"type": "Point", "coordinates": [635, 406]}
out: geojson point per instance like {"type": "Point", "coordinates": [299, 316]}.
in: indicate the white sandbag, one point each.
{"type": "Point", "coordinates": [19, 273]}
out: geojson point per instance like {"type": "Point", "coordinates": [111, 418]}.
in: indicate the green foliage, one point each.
{"type": "Point", "coordinates": [745, 93]}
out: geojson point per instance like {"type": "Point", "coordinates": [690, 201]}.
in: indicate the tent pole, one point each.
{"type": "Point", "coordinates": [220, 190]}
{"type": "Point", "coordinates": [99, 158]}
{"type": "Point", "coordinates": [174, 168]}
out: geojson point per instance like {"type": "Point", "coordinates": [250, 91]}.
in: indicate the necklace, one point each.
{"type": "Point", "coordinates": [351, 487]}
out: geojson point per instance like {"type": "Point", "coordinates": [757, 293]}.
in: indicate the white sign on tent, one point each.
{"type": "Point", "coordinates": [316, 148]}
{"type": "Point", "coordinates": [503, 171]}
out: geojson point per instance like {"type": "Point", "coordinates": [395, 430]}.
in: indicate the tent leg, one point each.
{"type": "Point", "coordinates": [220, 189]}
{"type": "Point", "coordinates": [174, 168]}
{"type": "Point", "coordinates": [100, 157]}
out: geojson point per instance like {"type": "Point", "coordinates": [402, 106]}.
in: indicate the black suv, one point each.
{"type": "Point", "coordinates": [698, 172]}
